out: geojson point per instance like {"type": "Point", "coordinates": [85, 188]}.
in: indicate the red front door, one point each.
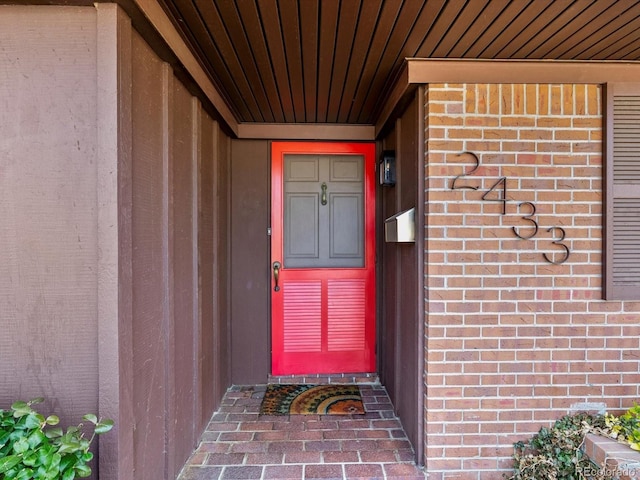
{"type": "Point", "coordinates": [323, 258]}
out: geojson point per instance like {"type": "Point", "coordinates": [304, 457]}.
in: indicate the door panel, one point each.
{"type": "Point", "coordinates": [323, 211]}
{"type": "Point", "coordinates": [323, 234]}
{"type": "Point", "coordinates": [302, 326]}
{"type": "Point", "coordinates": [346, 315]}
{"type": "Point", "coordinates": [301, 224]}
{"type": "Point", "coordinates": [346, 241]}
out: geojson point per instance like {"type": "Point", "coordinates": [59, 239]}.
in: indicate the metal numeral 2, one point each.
{"type": "Point", "coordinates": [502, 197]}
{"type": "Point", "coordinates": [466, 174]}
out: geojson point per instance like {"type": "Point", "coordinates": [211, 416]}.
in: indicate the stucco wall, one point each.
{"type": "Point", "coordinates": [48, 215]}
{"type": "Point", "coordinates": [512, 340]}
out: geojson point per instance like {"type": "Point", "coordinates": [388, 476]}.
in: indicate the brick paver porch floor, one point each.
{"type": "Point", "coordinates": [241, 444]}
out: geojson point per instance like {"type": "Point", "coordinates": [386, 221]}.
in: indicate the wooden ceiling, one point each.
{"type": "Point", "coordinates": [335, 61]}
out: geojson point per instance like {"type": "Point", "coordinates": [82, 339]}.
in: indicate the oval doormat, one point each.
{"type": "Point", "coordinates": [312, 399]}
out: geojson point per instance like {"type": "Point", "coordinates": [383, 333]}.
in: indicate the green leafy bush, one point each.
{"type": "Point", "coordinates": [556, 453]}
{"type": "Point", "coordinates": [33, 447]}
{"type": "Point", "coordinates": [626, 427]}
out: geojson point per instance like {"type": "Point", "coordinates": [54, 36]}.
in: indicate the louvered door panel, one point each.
{"type": "Point", "coordinates": [302, 316]}
{"type": "Point", "coordinates": [622, 254]}
{"type": "Point", "coordinates": [346, 315]}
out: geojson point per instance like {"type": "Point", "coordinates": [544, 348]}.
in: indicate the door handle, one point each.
{"type": "Point", "coordinates": [276, 275]}
{"type": "Point", "coordinates": [323, 198]}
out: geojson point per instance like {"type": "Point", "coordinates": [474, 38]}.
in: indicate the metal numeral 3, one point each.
{"type": "Point", "coordinates": [528, 218]}
{"type": "Point", "coordinates": [558, 241]}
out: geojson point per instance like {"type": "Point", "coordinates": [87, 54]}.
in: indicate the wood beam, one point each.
{"type": "Point", "coordinates": [423, 71]}
{"type": "Point", "coordinates": [154, 13]}
{"type": "Point", "coordinates": [306, 131]}
{"type": "Point", "coordinates": [396, 101]}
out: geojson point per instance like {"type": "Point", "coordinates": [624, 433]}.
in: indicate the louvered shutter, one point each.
{"type": "Point", "coordinates": [622, 193]}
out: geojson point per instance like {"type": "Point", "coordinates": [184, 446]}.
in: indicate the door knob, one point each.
{"type": "Point", "coordinates": [276, 275]}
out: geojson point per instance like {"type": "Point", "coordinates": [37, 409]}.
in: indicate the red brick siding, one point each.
{"type": "Point", "coordinates": [512, 341]}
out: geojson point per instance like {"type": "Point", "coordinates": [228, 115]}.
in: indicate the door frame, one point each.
{"type": "Point", "coordinates": [368, 152]}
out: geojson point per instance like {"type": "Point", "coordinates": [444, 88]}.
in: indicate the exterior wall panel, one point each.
{"type": "Point", "coordinates": [400, 369]}
{"type": "Point", "coordinates": [387, 289]}
{"type": "Point", "coordinates": [184, 262]}
{"type": "Point", "coordinates": [205, 256]}
{"type": "Point", "coordinates": [102, 283]}
{"type": "Point", "coordinates": [48, 199]}
{"type": "Point", "coordinates": [115, 204]}
{"type": "Point", "coordinates": [408, 371]}
{"type": "Point", "coordinates": [250, 265]}
{"type": "Point", "coordinates": [222, 265]}
{"type": "Point", "coordinates": [149, 260]}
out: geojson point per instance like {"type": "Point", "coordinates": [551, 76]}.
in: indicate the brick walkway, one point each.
{"type": "Point", "coordinates": [241, 444]}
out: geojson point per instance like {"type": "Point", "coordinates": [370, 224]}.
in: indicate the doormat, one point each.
{"type": "Point", "coordinates": [312, 399]}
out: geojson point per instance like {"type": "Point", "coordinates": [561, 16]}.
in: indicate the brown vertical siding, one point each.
{"type": "Point", "coordinates": [221, 266]}
{"type": "Point", "coordinates": [400, 368]}
{"type": "Point", "coordinates": [182, 247]}
{"type": "Point", "coordinates": [250, 207]}
{"type": "Point", "coordinates": [176, 157]}
{"type": "Point", "coordinates": [113, 234]}
{"type": "Point", "coordinates": [408, 370]}
{"type": "Point", "coordinates": [48, 214]}
{"type": "Point", "coordinates": [213, 354]}
{"type": "Point", "coordinates": [149, 262]}
{"type": "Point", "coordinates": [387, 322]}
{"type": "Point", "coordinates": [114, 186]}
{"type": "Point", "coordinates": [205, 335]}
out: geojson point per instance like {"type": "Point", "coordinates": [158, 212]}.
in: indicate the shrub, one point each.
{"type": "Point", "coordinates": [556, 453]}
{"type": "Point", "coordinates": [626, 427]}
{"type": "Point", "coordinates": [33, 447]}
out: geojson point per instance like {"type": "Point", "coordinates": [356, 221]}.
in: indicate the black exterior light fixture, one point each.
{"type": "Point", "coordinates": [387, 168]}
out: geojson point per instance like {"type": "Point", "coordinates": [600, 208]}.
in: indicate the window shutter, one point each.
{"type": "Point", "coordinates": [622, 193]}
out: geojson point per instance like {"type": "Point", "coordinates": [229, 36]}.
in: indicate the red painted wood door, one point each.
{"type": "Point", "coordinates": [323, 258]}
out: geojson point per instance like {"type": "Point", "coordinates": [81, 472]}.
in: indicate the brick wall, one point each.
{"type": "Point", "coordinates": [514, 340]}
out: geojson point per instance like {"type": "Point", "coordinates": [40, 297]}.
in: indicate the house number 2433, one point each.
{"type": "Point", "coordinates": [498, 193]}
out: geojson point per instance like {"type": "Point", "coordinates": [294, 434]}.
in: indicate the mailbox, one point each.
{"type": "Point", "coordinates": [401, 227]}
